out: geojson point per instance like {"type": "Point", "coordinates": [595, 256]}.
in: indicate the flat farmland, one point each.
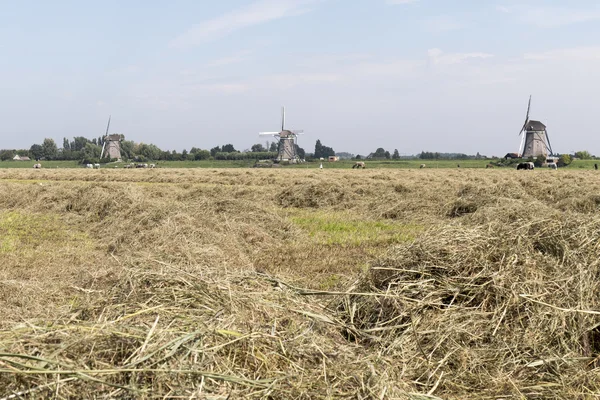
{"type": "Point", "coordinates": [299, 283]}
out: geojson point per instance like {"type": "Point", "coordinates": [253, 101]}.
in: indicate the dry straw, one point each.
{"type": "Point", "coordinates": [200, 284]}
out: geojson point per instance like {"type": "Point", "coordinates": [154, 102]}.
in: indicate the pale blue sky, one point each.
{"type": "Point", "coordinates": [434, 75]}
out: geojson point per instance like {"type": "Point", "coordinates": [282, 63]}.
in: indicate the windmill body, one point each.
{"type": "Point", "coordinates": [112, 145]}
{"type": "Point", "coordinates": [535, 144]}
{"type": "Point", "coordinates": [535, 141]}
{"type": "Point", "coordinates": [288, 139]}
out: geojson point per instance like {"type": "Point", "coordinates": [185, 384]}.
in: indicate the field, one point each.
{"type": "Point", "coordinates": [343, 164]}
{"type": "Point", "coordinates": [299, 283]}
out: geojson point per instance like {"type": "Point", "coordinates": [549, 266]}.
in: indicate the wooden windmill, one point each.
{"type": "Point", "coordinates": [112, 144]}
{"type": "Point", "coordinates": [534, 141]}
{"type": "Point", "coordinates": [288, 140]}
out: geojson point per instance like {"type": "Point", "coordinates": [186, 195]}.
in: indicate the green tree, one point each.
{"type": "Point", "coordinates": [379, 153]}
{"type": "Point", "coordinates": [258, 148]}
{"type": "Point", "coordinates": [7, 155]}
{"type": "Point", "coordinates": [91, 152]}
{"type": "Point", "coordinates": [564, 160]}
{"type": "Point", "coordinates": [66, 145]}
{"type": "Point", "coordinates": [396, 155]}
{"type": "Point", "coordinates": [583, 155]}
{"type": "Point", "coordinates": [322, 151]}
{"type": "Point", "coordinates": [273, 147]}
{"type": "Point", "coordinates": [539, 162]}
{"type": "Point", "coordinates": [78, 143]}
{"type": "Point", "coordinates": [202, 155]}
{"type": "Point", "coordinates": [37, 151]}
{"type": "Point", "coordinates": [215, 150]}
{"type": "Point", "coordinates": [127, 149]}
{"type": "Point", "coordinates": [148, 151]}
{"type": "Point", "coordinates": [49, 149]}
{"type": "Point", "coordinates": [228, 148]}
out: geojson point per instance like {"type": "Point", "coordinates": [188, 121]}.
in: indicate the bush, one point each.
{"type": "Point", "coordinates": [564, 160]}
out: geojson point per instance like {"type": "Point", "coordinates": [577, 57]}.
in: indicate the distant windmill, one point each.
{"type": "Point", "coordinates": [112, 144]}
{"type": "Point", "coordinates": [535, 141]}
{"type": "Point", "coordinates": [288, 140]}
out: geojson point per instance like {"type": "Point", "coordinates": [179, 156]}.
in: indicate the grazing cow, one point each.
{"type": "Point", "coordinates": [552, 166]}
{"type": "Point", "coordinates": [359, 164]}
{"type": "Point", "coordinates": [526, 166]}
{"type": "Point", "coordinates": [89, 165]}
{"type": "Point", "coordinates": [152, 166]}
{"type": "Point", "coordinates": [96, 166]}
{"type": "Point", "coordinates": [458, 165]}
{"type": "Point", "coordinates": [422, 166]}
{"type": "Point", "coordinates": [596, 167]}
{"type": "Point", "coordinates": [37, 166]}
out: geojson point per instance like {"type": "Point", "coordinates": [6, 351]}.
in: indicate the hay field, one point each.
{"type": "Point", "coordinates": [299, 284]}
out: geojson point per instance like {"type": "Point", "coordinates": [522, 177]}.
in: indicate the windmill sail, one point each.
{"type": "Point", "coordinates": [105, 138]}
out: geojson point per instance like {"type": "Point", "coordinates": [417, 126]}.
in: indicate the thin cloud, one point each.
{"type": "Point", "coordinates": [568, 55]}
{"type": "Point", "coordinates": [233, 59]}
{"type": "Point", "coordinates": [437, 56]}
{"type": "Point", "coordinates": [551, 17]}
{"type": "Point", "coordinates": [257, 13]}
{"type": "Point", "coordinates": [442, 23]}
{"type": "Point", "coordinates": [395, 2]}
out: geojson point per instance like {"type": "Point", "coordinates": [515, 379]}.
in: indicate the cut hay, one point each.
{"type": "Point", "coordinates": [298, 284]}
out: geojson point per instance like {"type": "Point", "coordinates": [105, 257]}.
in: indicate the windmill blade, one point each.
{"type": "Point", "coordinates": [282, 118]}
{"type": "Point", "coordinates": [108, 126]}
{"type": "Point", "coordinates": [268, 133]}
{"type": "Point", "coordinates": [103, 147]}
{"type": "Point", "coordinates": [549, 145]}
{"type": "Point", "coordinates": [297, 131]}
{"type": "Point", "coordinates": [526, 117]}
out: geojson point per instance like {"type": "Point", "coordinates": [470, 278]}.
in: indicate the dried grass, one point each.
{"type": "Point", "coordinates": [212, 284]}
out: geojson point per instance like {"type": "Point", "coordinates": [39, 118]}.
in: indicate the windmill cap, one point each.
{"type": "Point", "coordinates": [535, 126]}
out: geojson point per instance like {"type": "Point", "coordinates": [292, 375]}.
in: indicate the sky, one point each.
{"type": "Point", "coordinates": [412, 75]}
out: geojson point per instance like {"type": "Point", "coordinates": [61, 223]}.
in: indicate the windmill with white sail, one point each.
{"type": "Point", "coordinates": [534, 138]}
{"type": "Point", "coordinates": [112, 144]}
{"type": "Point", "coordinates": [287, 141]}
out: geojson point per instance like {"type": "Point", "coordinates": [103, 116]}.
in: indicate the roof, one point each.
{"type": "Point", "coordinates": [535, 126]}
{"type": "Point", "coordinates": [25, 159]}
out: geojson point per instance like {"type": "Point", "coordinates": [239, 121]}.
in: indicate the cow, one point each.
{"type": "Point", "coordinates": [422, 166]}
{"type": "Point", "coordinates": [89, 165]}
{"type": "Point", "coordinates": [525, 166]}
{"type": "Point", "coordinates": [489, 166]}
{"type": "Point", "coordinates": [37, 166]}
{"type": "Point", "coordinates": [152, 166]}
{"type": "Point", "coordinates": [552, 166]}
{"type": "Point", "coordinates": [96, 166]}
{"type": "Point", "coordinates": [596, 167]}
{"type": "Point", "coordinates": [359, 164]}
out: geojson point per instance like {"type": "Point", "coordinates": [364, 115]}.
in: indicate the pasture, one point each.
{"type": "Point", "coordinates": [342, 164]}
{"type": "Point", "coordinates": [299, 283]}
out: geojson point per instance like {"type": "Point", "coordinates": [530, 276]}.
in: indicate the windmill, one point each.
{"type": "Point", "coordinates": [534, 141]}
{"type": "Point", "coordinates": [112, 144]}
{"type": "Point", "coordinates": [288, 140]}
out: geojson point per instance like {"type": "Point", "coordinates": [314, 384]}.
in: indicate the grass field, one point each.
{"type": "Point", "coordinates": [343, 164]}
{"type": "Point", "coordinates": [300, 284]}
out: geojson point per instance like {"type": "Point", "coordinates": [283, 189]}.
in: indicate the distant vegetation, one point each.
{"type": "Point", "coordinates": [83, 150]}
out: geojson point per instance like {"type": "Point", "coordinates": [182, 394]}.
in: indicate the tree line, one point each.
{"type": "Point", "coordinates": [90, 150]}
